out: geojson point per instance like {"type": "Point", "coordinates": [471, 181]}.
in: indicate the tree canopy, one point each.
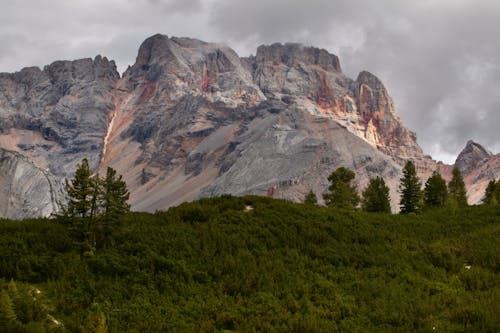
{"type": "Point", "coordinates": [435, 191]}
{"type": "Point", "coordinates": [341, 193]}
{"type": "Point", "coordinates": [96, 203]}
{"type": "Point", "coordinates": [311, 198]}
{"type": "Point", "coordinates": [410, 189]}
{"type": "Point", "coordinates": [456, 189]}
{"type": "Point", "coordinates": [492, 193]}
{"type": "Point", "coordinates": [376, 196]}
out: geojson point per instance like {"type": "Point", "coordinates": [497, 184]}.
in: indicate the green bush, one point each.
{"type": "Point", "coordinates": [213, 265]}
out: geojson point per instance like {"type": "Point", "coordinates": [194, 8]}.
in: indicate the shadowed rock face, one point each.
{"type": "Point", "coordinates": [193, 119]}
{"type": "Point", "coordinates": [478, 167]}
{"type": "Point", "coordinates": [471, 157]}
{"type": "Point", "coordinates": [58, 115]}
{"type": "Point", "coordinates": [26, 190]}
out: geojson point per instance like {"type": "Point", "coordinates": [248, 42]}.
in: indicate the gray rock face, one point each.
{"type": "Point", "coordinates": [58, 115]}
{"type": "Point", "coordinates": [478, 167]}
{"type": "Point", "coordinates": [27, 191]}
{"type": "Point", "coordinates": [287, 154]}
{"type": "Point", "coordinates": [471, 157]}
{"type": "Point", "coordinates": [294, 55]}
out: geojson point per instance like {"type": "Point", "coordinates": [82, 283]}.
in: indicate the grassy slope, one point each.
{"type": "Point", "coordinates": [211, 265]}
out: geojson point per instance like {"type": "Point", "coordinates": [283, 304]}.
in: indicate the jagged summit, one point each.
{"type": "Point", "coordinates": [293, 54]}
{"type": "Point", "coordinates": [471, 157]}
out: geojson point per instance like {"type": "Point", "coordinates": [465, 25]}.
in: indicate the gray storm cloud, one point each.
{"type": "Point", "coordinates": [439, 59]}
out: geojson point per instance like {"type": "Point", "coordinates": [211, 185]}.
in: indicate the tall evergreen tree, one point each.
{"type": "Point", "coordinates": [456, 189]}
{"type": "Point", "coordinates": [8, 317]}
{"type": "Point", "coordinates": [492, 193]}
{"type": "Point", "coordinates": [435, 191]}
{"type": "Point", "coordinates": [80, 191]}
{"type": "Point", "coordinates": [98, 203]}
{"type": "Point", "coordinates": [376, 196]}
{"type": "Point", "coordinates": [311, 198]}
{"type": "Point", "coordinates": [410, 189]}
{"type": "Point", "coordinates": [341, 193]}
{"type": "Point", "coordinates": [115, 201]}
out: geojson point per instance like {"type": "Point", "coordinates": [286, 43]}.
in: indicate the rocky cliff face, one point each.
{"type": "Point", "coordinates": [26, 190]}
{"type": "Point", "coordinates": [193, 119]}
{"type": "Point", "coordinates": [478, 167]}
{"type": "Point", "coordinates": [58, 115]}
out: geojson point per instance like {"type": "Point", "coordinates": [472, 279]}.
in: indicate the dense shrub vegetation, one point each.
{"type": "Point", "coordinates": [257, 264]}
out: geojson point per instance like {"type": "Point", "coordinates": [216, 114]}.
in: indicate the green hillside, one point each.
{"type": "Point", "coordinates": [257, 264]}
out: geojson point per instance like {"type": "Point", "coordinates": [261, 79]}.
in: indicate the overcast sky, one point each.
{"type": "Point", "coordinates": [439, 59]}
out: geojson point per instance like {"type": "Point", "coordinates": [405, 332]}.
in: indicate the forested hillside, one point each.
{"type": "Point", "coordinates": [257, 264]}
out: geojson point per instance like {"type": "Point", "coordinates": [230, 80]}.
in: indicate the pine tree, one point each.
{"type": "Point", "coordinates": [456, 189]}
{"type": "Point", "coordinates": [80, 191]}
{"type": "Point", "coordinates": [8, 317]}
{"type": "Point", "coordinates": [311, 198]}
{"type": "Point", "coordinates": [341, 193]}
{"type": "Point", "coordinates": [376, 196]}
{"type": "Point", "coordinates": [410, 189]}
{"type": "Point", "coordinates": [435, 192]}
{"type": "Point", "coordinates": [492, 193]}
{"type": "Point", "coordinates": [115, 197]}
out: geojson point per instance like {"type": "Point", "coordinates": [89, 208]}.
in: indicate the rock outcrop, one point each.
{"type": "Point", "coordinates": [478, 167]}
{"type": "Point", "coordinates": [472, 157]}
{"type": "Point", "coordinates": [58, 115]}
{"type": "Point", "coordinates": [26, 190]}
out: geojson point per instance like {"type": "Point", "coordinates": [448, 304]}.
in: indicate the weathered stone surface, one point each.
{"type": "Point", "coordinates": [58, 115]}
{"type": "Point", "coordinates": [478, 167]}
{"type": "Point", "coordinates": [285, 155]}
{"type": "Point", "coordinates": [471, 157]}
{"type": "Point", "coordinates": [26, 190]}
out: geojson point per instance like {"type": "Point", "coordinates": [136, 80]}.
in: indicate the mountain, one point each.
{"type": "Point", "coordinates": [478, 167]}
{"type": "Point", "coordinates": [197, 120]}
{"type": "Point", "coordinates": [191, 119]}
{"type": "Point", "coordinates": [26, 190]}
{"type": "Point", "coordinates": [58, 115]}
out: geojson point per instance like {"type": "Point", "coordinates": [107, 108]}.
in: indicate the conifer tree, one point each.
{"type": "Point", "coordinates": [97, 203]}
{"type": "Point", "coordinates": [456, 189]}
{"type": "Point", "coordinates": [311, 198]}
{"type": "Point", "coordinates": [80, 191]}
{"type": "Point", "coordinates": [8, 316]}
{"type": "Point", "coordinates": [492, 193]}
{"type": "Point", "coordinates": [410, 189]}
{"type": "Point", "coordinates": [115, 201]}
{"type": "Point", "coordinates": [435, 191]}
{"type": "Point", "coordinates": [376, 196]}
{"type": "Point", "coordinates": [341, 194]}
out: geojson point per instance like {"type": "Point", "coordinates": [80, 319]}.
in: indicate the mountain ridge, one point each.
{"type": "Point", "coordinates": [190, 119]}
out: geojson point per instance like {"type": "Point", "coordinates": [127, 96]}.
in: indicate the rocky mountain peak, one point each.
{"type": "Point", "coordinates": [372, 81]}
{"type": "Point", "coordinates": [472, 156]}
{"type": "Point", "coordinates": [293, 54]}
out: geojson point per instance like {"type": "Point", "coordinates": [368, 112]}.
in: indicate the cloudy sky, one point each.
{"type": "Point", "coordinates": [439, 59]}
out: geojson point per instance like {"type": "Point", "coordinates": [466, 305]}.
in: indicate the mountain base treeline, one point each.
{"type": "Point", "coordinates": [257, 264]}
